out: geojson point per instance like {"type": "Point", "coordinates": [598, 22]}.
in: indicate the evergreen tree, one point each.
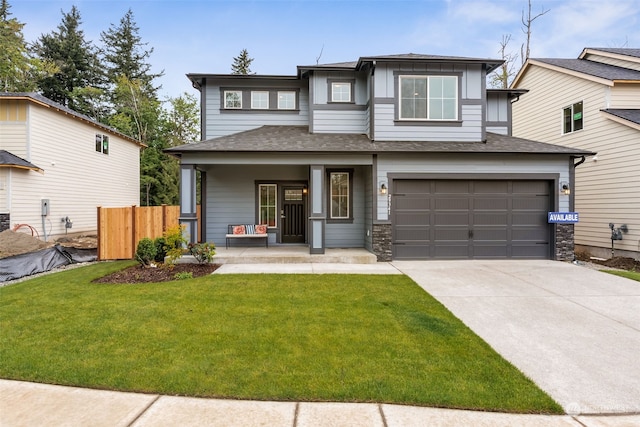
{"type": "Point", "coordinates": [17, 68]}
{"type": "Point", "coordinates": [125, 54]}
{"type": "Point", "coordinates": [76, 61]}
{"type": "Point", "coordinates": [242, 63]}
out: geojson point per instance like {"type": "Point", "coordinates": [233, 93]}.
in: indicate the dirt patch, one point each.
{"type": "Point", "coordinates": [17, 243]}
{"type": "Point", "coordinates": [622, 263]}
{"type": "Point", "coordinates": [139, 274]}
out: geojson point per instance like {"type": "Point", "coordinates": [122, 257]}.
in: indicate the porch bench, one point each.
{"type": "Point", "coordinates": [247, 231]}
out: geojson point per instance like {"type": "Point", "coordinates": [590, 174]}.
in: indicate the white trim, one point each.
{"type": "Point", "coordinates": [283, 92]}
{"type": "Point", "coordinates": [259, 101]}
{"type": "Point", "coordinates": [348, 196]}
{"type": "Point", "coordinates": [349, 91]}
{"type": "Point", "coordinates": [275, 205]}
{"type": "Point", "coordinates": [429, 115]}
{"type": "Point", "coordinates": [226, 106]}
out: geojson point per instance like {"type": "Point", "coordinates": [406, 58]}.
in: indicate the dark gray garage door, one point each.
{"type": "Point", "coordinates": [451, 219]}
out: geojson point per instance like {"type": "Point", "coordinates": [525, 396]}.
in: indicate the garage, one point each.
{"type": "Point", "coordinates": [470, 219]}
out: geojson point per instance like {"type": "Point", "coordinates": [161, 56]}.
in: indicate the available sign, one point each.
{"type": "Point", "coordinates": [563, 217]}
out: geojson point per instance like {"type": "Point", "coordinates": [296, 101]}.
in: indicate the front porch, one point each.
{"type": "Point", "coordinates": [288, 254]}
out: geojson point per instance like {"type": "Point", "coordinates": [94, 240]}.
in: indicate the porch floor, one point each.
{"type": "Point", "coordinates": [288, 254]}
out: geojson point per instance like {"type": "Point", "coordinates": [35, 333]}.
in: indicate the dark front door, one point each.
{"type": "Point", "coordinates": [292, 215]}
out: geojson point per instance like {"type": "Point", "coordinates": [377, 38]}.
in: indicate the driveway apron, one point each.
{"type": "Point", "coordinates": [572, 330]}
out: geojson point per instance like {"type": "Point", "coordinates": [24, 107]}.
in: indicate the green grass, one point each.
{"type": "Point", "coordinates": [349, 338]}
{"type": "Point", "coordinates": [633, 275]}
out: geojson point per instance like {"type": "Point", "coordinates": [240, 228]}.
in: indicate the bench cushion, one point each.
{"type": "Point", "coordinates": [239, 229]}
{"type": "Point", "coordinates": [261, 229]}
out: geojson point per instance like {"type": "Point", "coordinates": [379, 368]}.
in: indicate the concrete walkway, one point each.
{"type": "Point", "coordinates": [572, 330]}
{"type": "Point", "coordinates": [29, 404]}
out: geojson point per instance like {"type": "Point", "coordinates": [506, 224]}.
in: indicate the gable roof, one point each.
{"type": "Point", "coordinates": [625, 51]}
{"type": "Point", "coordinates": [43, 101]}
{"type": "Point", "coordinates": [297, 139]}
{"type": "Point", "coordinates": [629, 117]}
{"type": "Point", "coordinates": [9, 160]}
{"type": "Point", "coordinates": [592, 68]}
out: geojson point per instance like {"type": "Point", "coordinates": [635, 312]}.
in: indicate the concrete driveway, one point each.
{"type": "Point", "coordinates": [572, 330]}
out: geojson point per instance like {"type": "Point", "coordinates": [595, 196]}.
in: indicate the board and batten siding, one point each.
{"type": "Point", "coordinates": [469, 164]}
{"type": "Point", "coordinates": [77, 179]}
{"type": "Point", "coordinates": [471, 96]}
{"type": "Point", "coordinates": [221, 123]}
{"type": "Point", "coordinates": [606, 187]}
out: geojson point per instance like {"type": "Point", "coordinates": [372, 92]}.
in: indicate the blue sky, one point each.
{"type": "Point", "coordinates": [198, 36]}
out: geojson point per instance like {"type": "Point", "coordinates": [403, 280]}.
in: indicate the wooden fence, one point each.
{"type": "Point", "coordinates": [120, 229]}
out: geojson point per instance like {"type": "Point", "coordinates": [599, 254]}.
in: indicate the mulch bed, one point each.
{"type": "Point", "coordinates": [622, 263]}
{"type": "Point", "coordinates": [162, 273]}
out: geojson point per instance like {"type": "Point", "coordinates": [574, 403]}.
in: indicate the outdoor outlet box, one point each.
{"type": "Point", "coordinates": [45, 207]}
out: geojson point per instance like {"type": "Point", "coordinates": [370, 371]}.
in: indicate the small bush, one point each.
{"type": "Point", "coordinates": [161, 252]}
{"type": "Point", "coordinates": [146, 251]}
{"type": "Point", "coordinates": [174, 242]}
{"type": "Point", "coordinates": [202, 252]}
{"type": "Point", "coordinates": [183, 275]}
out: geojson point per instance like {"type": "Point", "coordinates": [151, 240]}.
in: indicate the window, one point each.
{"type": "Point", "coordinates": [286, 100]}
{"type": "Point", "coordinates": [233, 99]}
{"type": "Point", "coordinates": [428, 97]}
{"type": "Point", "coordinates": [260, 100]}
{"type": "Point", "coordinates": [340, 195]}
{"type": "Point", "coordinates": [340, 92]}
{"type": "Point", "coordinates": [102, 144]}
{"type": "Point", "coordinates": [267, 204]}
{"type": "Point", "coordinates": [572, 118]}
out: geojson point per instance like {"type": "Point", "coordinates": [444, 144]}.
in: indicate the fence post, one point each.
{"type": "Point", "coordinates": [134, 232]}
{"type": "Point", "coordinates": [164, 217]}
{"type": "Point", "coordinates": [100, 236]}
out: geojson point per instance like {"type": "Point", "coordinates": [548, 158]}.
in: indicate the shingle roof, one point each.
{"type": "Point", "coordinates": [46, 101]}
{"type": "Point", "coordinates": [632, 115]}
{"type": "Point", "coordinates": [619, 50]}
{"type": "Point", "coordinates": [9, 160]}
{"type": "Point", "coordinates": [592, 68]}
{"type": "Point", "coordinates": [297, 139]}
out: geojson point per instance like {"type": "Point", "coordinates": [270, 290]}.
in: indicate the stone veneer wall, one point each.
{"type": "Point", "coordinates": [382, 241]}
{"type": "Point", "coordinates": [564, 242]}
{"type": "Point", "coordinates": [4, 221]}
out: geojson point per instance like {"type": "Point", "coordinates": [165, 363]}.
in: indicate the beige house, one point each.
{"type": "Point", "coordinates": [592, 103]}
{"type": "Point", "coordinates": [57, 166]}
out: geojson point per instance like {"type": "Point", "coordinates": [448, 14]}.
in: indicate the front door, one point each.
{"type": "Point", "coordinates": [292, 214]}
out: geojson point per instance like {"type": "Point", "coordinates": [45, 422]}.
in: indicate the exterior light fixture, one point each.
{"type": "Point", "coordinates": [383, 188]}
{"type": "Point", "coordinates": [566, 190]}
{"type": "Point", "coordinates": [304, 190]}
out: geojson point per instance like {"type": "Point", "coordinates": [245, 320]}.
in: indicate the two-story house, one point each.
{"type": "Point", "coordinates": [593, 103]}
{"type": "Point", "coordinates": [408, 156]}
{"type": "Point", "coordinates": [57, 166]}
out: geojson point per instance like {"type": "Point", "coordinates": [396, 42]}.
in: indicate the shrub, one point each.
{"type": "Point", "coordinates": [202, 252]}
{"type": "Point", "coordinates": [174, 242]}
{"type": "Point", "coordinates": [146, 251]}
{"type": "Point", "coordinates": [161, 251]}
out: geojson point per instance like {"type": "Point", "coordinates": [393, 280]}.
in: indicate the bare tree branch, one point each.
{"type": "Point", "coordinates": [527, 29]}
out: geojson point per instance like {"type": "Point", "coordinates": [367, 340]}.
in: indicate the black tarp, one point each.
{"type": "Point", "coordinates": [18, 266]}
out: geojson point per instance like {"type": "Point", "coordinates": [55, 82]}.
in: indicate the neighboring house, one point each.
{"type": "Point", "coordinates": [591, 103]}
{"type": "Point", "coordinates": [57, 166]}
{"type": "Point", "coordinates": [408, 156]}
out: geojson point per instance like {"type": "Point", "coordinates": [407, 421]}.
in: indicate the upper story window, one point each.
{"type": "Point", "coordinates": [572, 118]}
{"type": "Point", "coordinates": [102, 144]}
{"type": "Point", "coordinates": [340, 92]}
{"type": "Point", "coordinates": [428, 97]}
{"type": "Point", "coordinates": [286, 100]}
{"type": "Point", "coordinates": [260, 100]}
{"type": "Point", "coordinates": [233, 99]}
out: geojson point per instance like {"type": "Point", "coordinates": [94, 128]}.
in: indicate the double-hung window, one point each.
{"type": "Point", "coordinates": [286, 100]}
{"type": "Point", "coordinates": [428, 97]}
{"type": "Point", "coordinates": [340, 195]}
{"type": "Point", "coordinates": [260, 100]}
{"type": "Point", "coordinates": [572, 118]}
{"type": "Point", "coordinates": [233, 99]}
{"type": "Point", "coordinates": [267, 197]}
{"type": "Point", "coordinates": [340, 92]}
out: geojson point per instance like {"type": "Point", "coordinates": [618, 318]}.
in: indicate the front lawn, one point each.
{"type": "Point", "coordinates": [348, 338]}
{"type": "Point", "coordinates": [633, 275]}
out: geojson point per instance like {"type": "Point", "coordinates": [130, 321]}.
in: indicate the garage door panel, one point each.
{"type": "Point", "coordinates": [453, 219]}
{"type": "Point", "coordinates": [412, 218]}
{"type": "Point", "coordinates": [453, 203]}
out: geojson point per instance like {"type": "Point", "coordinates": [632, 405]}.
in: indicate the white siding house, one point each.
{"type": "Point", "coordinates": [74, 165]}
{"type": "Point", "coordinates": [604, 85]}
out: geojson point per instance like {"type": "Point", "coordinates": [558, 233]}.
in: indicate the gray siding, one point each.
{"type": "Point", "coordinates": [350, 235]}
{"type": "Point", "coordinates": [340, 121]}
{"type": "Point", "coordinates": [220, 122]}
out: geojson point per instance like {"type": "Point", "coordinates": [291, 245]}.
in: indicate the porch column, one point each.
{"type": "Point", "coordinates": [318, 215]}
{"type": "Point", "coordinates": [188, 215]}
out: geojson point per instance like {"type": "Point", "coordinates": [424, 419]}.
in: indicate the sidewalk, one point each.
{"type": "Point", "coordinates": [30, 404]}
